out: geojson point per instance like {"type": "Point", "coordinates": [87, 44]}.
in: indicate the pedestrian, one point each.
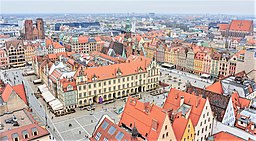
{"type": "Point", "coordinates": [79, 132]}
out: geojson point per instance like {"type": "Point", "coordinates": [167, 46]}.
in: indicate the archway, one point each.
{"type": "Point", "coordinates": [139, 89]}
{"type": "Point", "coordinates": [100, 99]}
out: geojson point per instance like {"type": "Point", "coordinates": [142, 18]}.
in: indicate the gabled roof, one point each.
{"type": "Point", "coordinates": [82, 39]}
{"type": "Point", "coordinates": [7, 92]}
{"type": "Point", "coordinates": [57, 45]}
{"type": "Point", "coordinates": [215, 87]}
{"type": "Point", "coordinates": [197, 103]}
{"type": "Point", "coordinates": [225, 136]}
{"type": "Point", "coordinates": [217, 101]}
{"type": "Point", "coordinates": [241, 25]}
{"type": "Point", "coordinates": [18, 89]}
{"type": "Point", "coordinates": [223, 26]}
{"type": "Point", "coordinates": [179, 127]}
{"type": "Point", "coordinates": [103, 128]}
{"type": "Point", "coordinates": [144, 116]}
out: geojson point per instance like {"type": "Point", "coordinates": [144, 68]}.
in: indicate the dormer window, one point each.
{"type": "Point", "coordinates": [69, 88]}
{"type": "Point", "coordinates": [119, 72]}
{"type": "Point", "coordinates": [15, 137]}
{"type": "Point", "coordinates": [140, 69]}
{"type": "Point", "coordinates": [94, 78]}
{"type": "Point", "coordinates": [34, 131]}
{"type": "Point", "coordinates": [25, 134]}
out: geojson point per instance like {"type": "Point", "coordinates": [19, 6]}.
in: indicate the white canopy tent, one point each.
{"type": "Point", "coordinates": [56, 104]}
{"type": "Point", "coordinates": [48, 97]}
{"type": "Point", "coordinates": [206, 76]}
{"type": "Point", "coordinates": [43, 88]}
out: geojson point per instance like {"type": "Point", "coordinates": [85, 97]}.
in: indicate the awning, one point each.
{"type": "Point", "coordinates": [43, 88]}
{"type": "Point", "coordinates": [167, 65]}
{"type": "Point", "coordinates": [205, 75]}
{"type": "Point", "coordinates": [48, 97]}
{"type": "Point", "coordinates": [56, 104]}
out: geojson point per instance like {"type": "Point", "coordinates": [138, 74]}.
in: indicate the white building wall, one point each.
{"type": "Point", "coordinates": [203, 129]}
{"type": "Point", "coordinates": [229, 116]}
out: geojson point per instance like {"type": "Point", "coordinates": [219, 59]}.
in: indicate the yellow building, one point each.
{"type": "Point", "coordinates": [198, 62]}
{"type": "Point", "coordinates": [29, 53]}
{"type": "Point", "coordinates": [104, 83]}
{"type": "Point", "coordinates": [183, 129]}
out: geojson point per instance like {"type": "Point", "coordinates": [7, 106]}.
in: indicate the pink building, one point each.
{"type": "Point", "coordinates": [3, 59]}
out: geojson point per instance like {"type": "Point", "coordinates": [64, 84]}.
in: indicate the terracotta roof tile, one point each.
{"type": "Point", "coordinates": [225, 136]}
{"type": "Point", "coordinates": [6, 92]}
{"type": "Point", "coordinates": [216, 87]}
{"type": "Point", "coordinates": [20, 90]}
{"type": "Point", "coordinates": [241, 25]}
{"type": "Point", "coordinates": [223, 26]}
{"type": "Point", "coordinates": [105, 134]}
{"type": "Point", "coordinates": [179, 127]}
{"type": "Point", "coordinates": [196, 102]}
{"type": "Point", "coordinates": [146, 116]}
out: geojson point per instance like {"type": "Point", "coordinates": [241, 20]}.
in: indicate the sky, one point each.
{"type": "Point", "coordinates": [233, 7]}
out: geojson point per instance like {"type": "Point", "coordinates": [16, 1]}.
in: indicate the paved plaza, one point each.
{"type": "Point", "coordinates": [82, 127]}
{"type": "Point", "coordinates": [82, 121]}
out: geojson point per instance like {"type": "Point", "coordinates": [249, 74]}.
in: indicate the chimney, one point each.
{"type": "Point", "coordinates": [181, 100]}
{"type": "Point", "coordinates": [252, 127]}
{"type": "Point", "coordinates": [197, 101]}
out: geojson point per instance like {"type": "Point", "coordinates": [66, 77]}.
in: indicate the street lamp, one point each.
{"type": "Point", "coordinates": [90, 106]}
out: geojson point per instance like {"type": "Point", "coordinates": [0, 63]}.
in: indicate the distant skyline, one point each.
{"type": "Point", "coordinates": [231, 7]}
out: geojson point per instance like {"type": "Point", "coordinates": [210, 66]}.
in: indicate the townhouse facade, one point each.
{"type": "Point", "coordinates": [4, 62]}
{"type": "Point", "coordinates": [29, 53]}
{"type": "Point", "coordinates": [194, 107]}
{"type": "Point", "coordinates": [16, 53]}
{"type": "Point", "coordinates": [67, 92]}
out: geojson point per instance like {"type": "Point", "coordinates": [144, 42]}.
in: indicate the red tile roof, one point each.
{"type": "Point", "coordinates": [179, 127]}
{"type": "Point", "coordinates": [223, 26]}
{"type": "Point", "coordinates": [224, 136]}
{"type": "Point", "coordinates": [18, 89]}
{"type": "Point", "coordinates": [216, 88]}
{"type": "Point", "coordinates": [197, 103]}
{"type": "Point", "coordinates": [105, 134]}
{"type": "Point", "coordinates": [65, 83]}
{"type": "Point", "coordinates": [144, 116]}
{"type": "Point", "coordinates": [241, 25]}
{"type": "Point", "coordinates": [7, 92]}
{"type": "Point", "coordinates": [57, 45]}
{"type": "Point", "coordinates": [110, 71]}
{"type": "Point", "coordinates": [82, 39]}
{"type": "Point", "coordinates": [41, 131]}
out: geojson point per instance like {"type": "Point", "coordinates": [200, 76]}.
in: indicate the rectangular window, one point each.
{"type": "Point", "coordinates": [111, 130]}
{"type": "Point", "coordinates": [119, 136]}
{"type": "Point", "coordinates": [98, 135]}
